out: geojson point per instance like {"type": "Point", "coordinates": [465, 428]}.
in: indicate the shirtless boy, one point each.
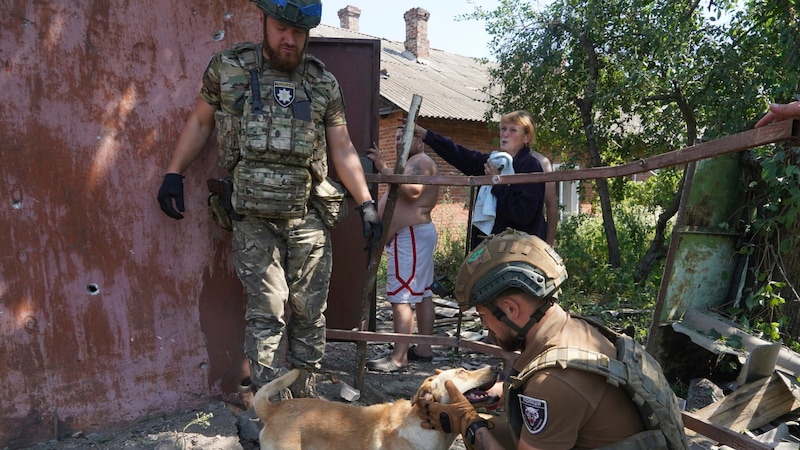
{"type": "Point", "coordinates": [409, 252]}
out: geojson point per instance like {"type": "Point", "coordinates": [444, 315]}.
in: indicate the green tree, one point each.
{"type": "Point", "coordinates": [610, 81]}
{"type": "Point", "coordinates": [584, 69]}
{"type": "Point", "coordinates": [766, 37]}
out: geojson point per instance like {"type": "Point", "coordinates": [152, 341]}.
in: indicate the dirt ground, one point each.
{"type": "Point", "coordinates": [223, 425]}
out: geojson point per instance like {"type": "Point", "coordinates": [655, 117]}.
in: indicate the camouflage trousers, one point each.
{"type": "Point", "coordinates": [283, 263]}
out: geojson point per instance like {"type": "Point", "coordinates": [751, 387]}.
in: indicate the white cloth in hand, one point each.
{"type": "Point", "coordinates": [485, 212]}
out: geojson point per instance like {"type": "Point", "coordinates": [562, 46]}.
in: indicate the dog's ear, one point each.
{"type": "Point", "coordinates": [437, 371]}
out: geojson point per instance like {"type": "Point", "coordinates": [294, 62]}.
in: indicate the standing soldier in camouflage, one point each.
{"type": "Point", "coordinates": [277, 110]}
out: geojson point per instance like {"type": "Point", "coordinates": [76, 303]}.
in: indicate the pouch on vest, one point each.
{"type": "Point", "coordinates": [327, 197]}
{"type": "Point", "coordinates": [277, 139]}
{"type": "Point", "coordinates": [227, 139]}
{"type": "Point", "coordinates": [272, 179]}
{"type": "Point", "coordinates": [271, 192]}
{"type": "Point", "coordinates": [219, 200]}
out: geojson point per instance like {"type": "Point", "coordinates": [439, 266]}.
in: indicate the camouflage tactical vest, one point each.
{"type": "Point", "coordinates": [274, 146]}
{"type": "Point", "coordinates": [634, 369]}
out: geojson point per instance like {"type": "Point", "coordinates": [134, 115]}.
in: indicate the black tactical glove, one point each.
{"type": "Point", "coordinates": [171, 188]}
{"type": "Point", "coordinates": [373, 228]}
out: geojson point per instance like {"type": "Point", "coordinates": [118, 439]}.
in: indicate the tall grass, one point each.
{"type": "Point", "coordinates": [594, 288]}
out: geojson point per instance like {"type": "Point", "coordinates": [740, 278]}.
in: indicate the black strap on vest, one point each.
{"type": "Point", "coordinates": [255, 88]}
{"type": "Point", "coordinates": [537, 316]}
{"type": "Point", "coordinates": [250, 61]}
{"type": "Point", "coordinates": [302, 108]}
{"type": "Point", "coordinates": [521, 332]}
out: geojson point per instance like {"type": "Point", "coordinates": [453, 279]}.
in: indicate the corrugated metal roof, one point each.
{"type": "Point", "coordinates": [451, 85]}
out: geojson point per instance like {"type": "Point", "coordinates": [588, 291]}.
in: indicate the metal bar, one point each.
{"type": "Point", "coordinates": [372, 336]}
{"type": "Point", "coordinates": [786, 130]}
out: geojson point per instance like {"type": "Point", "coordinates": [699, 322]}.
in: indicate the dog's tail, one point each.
{"type": "Point", "coordinates": [273, 388]}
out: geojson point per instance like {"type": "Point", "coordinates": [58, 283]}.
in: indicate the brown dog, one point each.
{"type": "Point", "coordinates": [310, 424]}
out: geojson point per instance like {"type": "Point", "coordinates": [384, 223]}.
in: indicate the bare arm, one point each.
{"type": "Point", "coordinates": [198, 127]}
{"type": "Point", "coordinates": [417, 166]}
{"type": "Point", "coordinates": [380, 166]}
{"type": "Point", "coordinates": [348, 165]}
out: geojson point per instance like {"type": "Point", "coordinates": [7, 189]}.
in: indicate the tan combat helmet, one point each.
{"type": "Point", "coordinates": [511, 259]}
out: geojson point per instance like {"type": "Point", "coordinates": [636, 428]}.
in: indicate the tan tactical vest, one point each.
{"type": "Point", "coordinates": [634, 369]}
{"type": "Point", "coordinates": [276, 147]}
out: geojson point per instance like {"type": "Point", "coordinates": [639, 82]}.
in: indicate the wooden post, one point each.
{"type": "Point", "coordinates": [377, 250]}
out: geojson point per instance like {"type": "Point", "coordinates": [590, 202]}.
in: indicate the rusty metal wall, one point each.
{"type": "Point", "coordinates": [702, 258]}
{"type": "Point", "coordinates": [109, 310]}
{"type": "Point", "coordinates": [356, 64]}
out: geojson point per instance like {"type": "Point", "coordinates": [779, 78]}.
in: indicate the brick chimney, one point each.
{"type": "Point", "coordinates": [417, 32]}
{"type": "Point", "coordinates": [348, 17]}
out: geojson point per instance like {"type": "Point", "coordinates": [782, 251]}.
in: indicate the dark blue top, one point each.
{"type": "Point", "coordinates": [519, 206]}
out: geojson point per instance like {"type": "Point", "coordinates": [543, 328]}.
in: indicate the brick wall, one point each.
{"type": "Point", "coordinates": [451, 211]}
{"type": "Point", "coordinates": [474, 135]}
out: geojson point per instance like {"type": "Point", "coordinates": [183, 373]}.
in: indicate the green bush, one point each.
{"type": "Point", "coordinates": [380, 279]}
{"type": "Point", "coordinates": [581, 241]}
{"type": "Point", "coordinates": [772, 240]}
{"type": "Point", "coordinates": [450, 253]}
{"type": "Point", "coordinates": [594, 288]}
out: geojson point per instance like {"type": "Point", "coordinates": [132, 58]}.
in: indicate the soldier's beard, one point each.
{"type": "Point", "coordinates": [280, 61]}
{"type": "Point", "coordinates": [506, 342]}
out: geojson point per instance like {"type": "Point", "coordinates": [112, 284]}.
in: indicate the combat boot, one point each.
{"type": "Point", "coordinates": [246, 393]}
{"type": "Point", "coordinates": [305, 385]}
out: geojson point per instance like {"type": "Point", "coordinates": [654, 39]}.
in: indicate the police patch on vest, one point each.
{"type": "Point", "coordinates": [283, 91]}
{"type": "Point", "coordinates": [534, 413]}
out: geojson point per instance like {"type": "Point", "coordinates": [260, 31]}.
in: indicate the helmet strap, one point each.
{"type": "Point", "coordinates": [521, 332]}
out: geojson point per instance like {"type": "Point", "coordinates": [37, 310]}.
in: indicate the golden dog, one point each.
{"type": "Point", "coordinates": [310, 424]}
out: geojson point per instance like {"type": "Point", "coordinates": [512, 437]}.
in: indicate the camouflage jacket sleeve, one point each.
{"type": "Point", "coordinates": [210, 91]}
{"type": "Point", "coordinates": [330, 89]}
{"type": "Point", "coordinates": [334, 115]}
{"type": "Point", "coordinates": [225, 81]}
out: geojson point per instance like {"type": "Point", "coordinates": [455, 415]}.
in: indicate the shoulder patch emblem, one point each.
{"type": "Point", "coordinates": [283, 91]}
{"type": "Point", "coordinates": [534, 413]}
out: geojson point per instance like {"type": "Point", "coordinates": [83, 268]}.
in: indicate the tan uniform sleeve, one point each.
{"type": "Point", "coordinates": [563, 414]}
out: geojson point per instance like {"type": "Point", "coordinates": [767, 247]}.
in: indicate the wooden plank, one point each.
{"type": "Point", "coordinates": [377, 250]}
{"type": "Point", "coordinates": [445, 341]}
{"type": "Point", "coordinates": [721, 434]}
{"type": "Point", "coordinates": [751, 405]}
{"type": "Point", "coordinates": [785, 131]}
